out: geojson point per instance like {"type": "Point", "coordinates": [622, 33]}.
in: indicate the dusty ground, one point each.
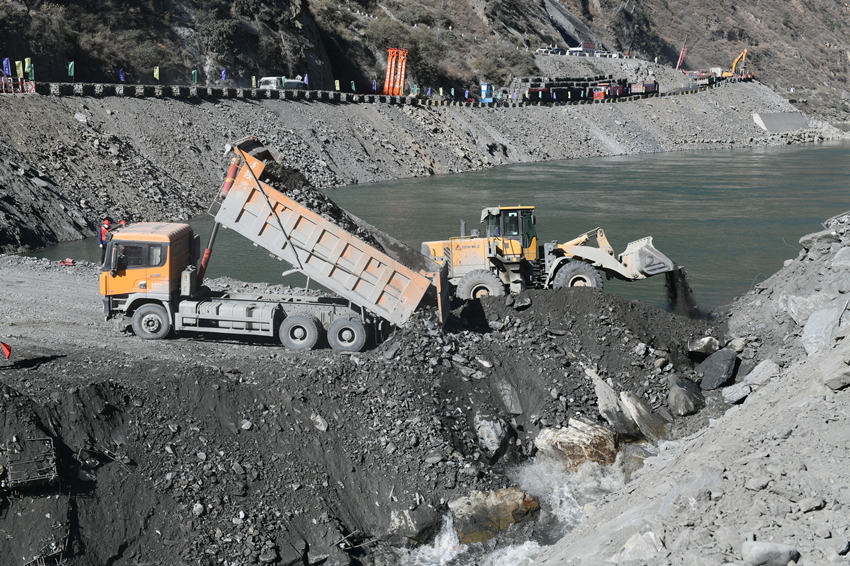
{"type": "Point", "coordinates": [65, 163]}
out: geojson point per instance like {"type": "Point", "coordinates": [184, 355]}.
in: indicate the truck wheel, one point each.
{"type": "Point", "coordinates": [151, 322]}
{"type": "Point", "coordinates": [347, 335]}
{"type": "Point", "coordinates": [480, 283]}
{"type": "Point", "coordinates": [299, 332]}
{"type": "Point", "coordinates": [577, 274]}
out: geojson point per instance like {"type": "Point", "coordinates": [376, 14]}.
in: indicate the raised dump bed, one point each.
{"type": "Point", "coordinates": [319, 248]}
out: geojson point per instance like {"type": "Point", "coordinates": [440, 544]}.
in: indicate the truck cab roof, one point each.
{"type": "Point", "coordinates": [151, 232]}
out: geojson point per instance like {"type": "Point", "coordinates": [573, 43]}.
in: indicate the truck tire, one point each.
{"type": "Point", "coordinates": [299, 332]}
{"type": "Point", "coordinates": [480, 283]}
{"type": "Point", "coordinates": [577, 274]}
{"type": "Point", "coordinates": [151, 322]}
{"type": "Point", "coordinates": [347, 335]}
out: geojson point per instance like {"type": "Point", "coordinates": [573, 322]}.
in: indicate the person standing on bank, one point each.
{"type": "Point", "coordinates": [102, 238]}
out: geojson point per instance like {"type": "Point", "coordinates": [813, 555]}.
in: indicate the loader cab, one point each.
{"type": "Point", "coordinates": [516, 223]}
{"type": "Point", "coordinates": [146, 258]}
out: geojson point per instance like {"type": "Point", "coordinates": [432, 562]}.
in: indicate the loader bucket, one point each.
{"type": "Point", "coordinates": [642, 260]}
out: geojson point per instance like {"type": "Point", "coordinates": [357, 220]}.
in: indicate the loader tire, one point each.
{"type": "Point", "coordinates": [151, 322]}
{"type": "Point", "coordinates": [347, 335]}
{"type": "Point", "coordinates": [480, 283]}
{"type": "Point", "coordinates": [299, 332]}
{"type": "Point", "coordinates": [577, 274]}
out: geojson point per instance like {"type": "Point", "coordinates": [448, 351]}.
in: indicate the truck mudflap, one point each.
{"type": "Point", "coordinates": [642, 260]}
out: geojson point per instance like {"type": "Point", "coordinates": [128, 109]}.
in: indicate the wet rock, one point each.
{"type": "Point", "coordinates": [410, 527]}
{"type": "Point", "coordinates": [580, 442]}
{"type": "Point", "coordinates": [481, 515]}
{"type": "Point", "coordinates": [651, 425]}
{"type": "Point", "coordinates": [705, 345]}
{"type": "Point", "coordinates": [759, 553]}
{"type": "Point", "coordinates": [684, 397]}
{"type": "Point", "coordinates": [717, 369]}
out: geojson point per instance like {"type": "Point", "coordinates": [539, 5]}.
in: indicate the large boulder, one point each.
{"type": "Point", "coordinates": [834, 372]}
{"type": "Point", "coordinates": [580, 442]}
{"type": "Point", "coordinates": [820, 328]}
{"type": "Point", "coordinates": [761, 374]}
{"type": "Point", "coordinates": [819, 240]}
{"type": "Point", "coordinates": [717, 369]}
{"type": "Point", "coordinates": [609, 407]}
{"type": "Point", "coordinates": [759, 553]}
{"type": "Point", "coordinates": [651, 425]}
{"type": "Point", "coordinates": [684, 397]}
{"type": "Point", "coordinates": [492, 433]}
{"type": "Point", "coordinates": [483, 514]}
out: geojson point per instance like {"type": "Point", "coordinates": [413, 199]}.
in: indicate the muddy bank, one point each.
{"type": "Point", "coordinates": [65, 163]}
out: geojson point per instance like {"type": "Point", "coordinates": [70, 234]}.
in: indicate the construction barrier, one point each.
{"type": "Point", "coordinates": [14, 85]}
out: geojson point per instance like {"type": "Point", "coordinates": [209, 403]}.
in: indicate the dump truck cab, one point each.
{"type": "Point", "coordinates": [144, 263]}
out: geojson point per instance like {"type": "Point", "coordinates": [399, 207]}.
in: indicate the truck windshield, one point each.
{"type": "Point", "coordinates": [134, 255]}
{"type": "Point", "coordinates": [511, 223]}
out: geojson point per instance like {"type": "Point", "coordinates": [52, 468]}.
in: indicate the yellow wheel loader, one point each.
{"type": "Point", "coordinates": [509, 256]}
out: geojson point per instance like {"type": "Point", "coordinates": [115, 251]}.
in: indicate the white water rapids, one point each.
{"type": "Point", "coordinates": [562, 495]}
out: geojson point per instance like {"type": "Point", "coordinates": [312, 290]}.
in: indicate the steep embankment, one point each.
{"type": "Point", "coordinates": [67, 162]}
{"type": "Point", "coordinates": [771, 470]}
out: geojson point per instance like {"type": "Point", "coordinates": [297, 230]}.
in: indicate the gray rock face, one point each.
{"type": "Point", "coordinates": [651, 425]}
{"type": "Point", "coordinates": [737, 392]}
{"type": "Point", "coordinates": [820, 328]}
{"type": "Point", "coordinates": [610, 408]}
{"type": "Point", "coordinates": [835, 373]}
{"type": "Point", "coordinates": [758, 553]}
{"type": "Point", "coordinates": [717, 369]}
{"type": "Point", "coordinates": [761, 374]}
{"type": "Point", "coordinates": [510, 397]}
{"type": "Point", "coordinates": [816, 239]}
{"type": "Point", "coordinates": [684, 397]}
{"type": "Point", "coordinates": [842, 258]}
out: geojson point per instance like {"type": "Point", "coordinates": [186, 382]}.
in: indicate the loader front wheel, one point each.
{"type": "Point", "coordinates": [478, 284]}
{"type": "Point", "coordinates": [299, 332]}
{"type": "Point", "coordinates": [151, 322]}
{"type": "Point", "coordinates": [577, 274]}
{"type": "Point", "coordinates": [347, 335]}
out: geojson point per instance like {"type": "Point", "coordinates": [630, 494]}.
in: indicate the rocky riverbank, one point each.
{"type": "Point", "coordinates": [67, 162]}
{"type": "Point", "coordinates": [765, 483]}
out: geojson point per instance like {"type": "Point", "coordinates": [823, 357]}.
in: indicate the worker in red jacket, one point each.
{"type": "Point", "coordinates": [102, 239]}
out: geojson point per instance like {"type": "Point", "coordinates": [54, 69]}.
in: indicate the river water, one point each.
{"type": "Point", "coordinates": [730, 218]}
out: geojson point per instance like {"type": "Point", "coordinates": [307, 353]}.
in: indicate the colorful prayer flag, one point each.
{"type": "Point", "coordinates": [121, 75]}
{"type": "Point", "coordinates": [336, 84]}
{"type": "Point", "coordinates": [429, 91]}
{"type": "Point", "coordinates": [156, 73]}
{"type": "Point", "coordinates": [194, 77]}
{"type": "Point", "coordinates": [253, 81]}
{"type": "Point", "coordinates": [7, 350]}
{"type": "Point", "coordinates": [306, 82]}
{"type": "Point", "coordinates": [453, 92]}
{"type": "Point", "coordinates": [7, 67]}
{"type": "Point", "coordinates": [19, 67]}
{"type": "Point", "coordinates": [31, 72]}
{"type": "Point", "coordinates": [224, 74]}
{"type": "Point", "coordinates": [352, 86]}
{"type": "Point", "coordinates": [374, 85]}
{"type": "Point", "coordinates": [70, 68]}
{"type": "Point", "coordinates": [441, 91]}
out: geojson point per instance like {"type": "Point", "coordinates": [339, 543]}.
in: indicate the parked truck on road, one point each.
{"type": "Point", "coordinates": [151, 272]}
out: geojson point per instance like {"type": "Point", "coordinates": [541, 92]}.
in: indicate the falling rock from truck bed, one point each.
{"type": "Point", "coordinates": [294, 185]}
{"type": "Point", "coordinates": [651, 425]}
{"type": "Point", "coordinates": [481, 515]}
{"type": "Point", "coordinates": [578, 443]}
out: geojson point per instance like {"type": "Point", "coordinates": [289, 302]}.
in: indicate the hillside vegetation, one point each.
{"type": "Point", "coordinates": [801, 48]}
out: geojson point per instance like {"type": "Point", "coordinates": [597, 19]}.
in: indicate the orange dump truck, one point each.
{"type": "Point", "coordinates": [152, 274]}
